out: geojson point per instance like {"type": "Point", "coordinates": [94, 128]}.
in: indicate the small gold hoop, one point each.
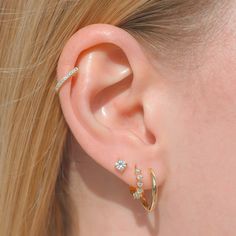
{"type": "Point", "coordinates": [149, 207]}
{"type": "Point", "coordinates": [65, 78]}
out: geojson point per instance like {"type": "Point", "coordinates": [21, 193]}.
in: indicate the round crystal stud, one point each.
{"type": "Point", "coordinates": [120, 165]}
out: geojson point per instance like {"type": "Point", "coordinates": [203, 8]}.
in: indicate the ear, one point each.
{"type": "Point", "coordinates": [108, 105]}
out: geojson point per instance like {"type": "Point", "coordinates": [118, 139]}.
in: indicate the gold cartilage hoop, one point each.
{"type": "Point", "coordinates": [65, 78]}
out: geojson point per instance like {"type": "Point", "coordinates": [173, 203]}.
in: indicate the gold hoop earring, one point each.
{"type": "Point", "coordinates": [65, 78]}
{"type": "Point", "coordinates": [138, 192]}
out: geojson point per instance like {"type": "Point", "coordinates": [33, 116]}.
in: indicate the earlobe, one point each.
{"type": "Point", "coordinates": [104, 103]}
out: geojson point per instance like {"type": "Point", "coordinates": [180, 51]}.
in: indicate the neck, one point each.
{"type": "Point", "coordinates": [102, 203]}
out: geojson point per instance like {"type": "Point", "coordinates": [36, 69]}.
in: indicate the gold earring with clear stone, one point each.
{"type": "Point", "coordinates": [138, 192]}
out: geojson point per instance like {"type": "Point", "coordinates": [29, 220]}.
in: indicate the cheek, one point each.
{"type": "Point", "coordinates": [199, 134]}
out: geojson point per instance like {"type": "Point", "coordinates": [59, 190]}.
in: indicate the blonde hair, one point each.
{"type": "Point", "coordinates": [33, 131]}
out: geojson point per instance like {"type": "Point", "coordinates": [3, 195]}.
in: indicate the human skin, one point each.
{"type": "Point", "coordinates": [185, 131]}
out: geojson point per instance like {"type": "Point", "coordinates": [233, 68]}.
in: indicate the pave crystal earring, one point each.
{"type": "Point", "coordinates": [138, 192]}
{"type": "Point", "coordinates": [139, 189]}
{"type": "Point", "coordinates": [65, 78]}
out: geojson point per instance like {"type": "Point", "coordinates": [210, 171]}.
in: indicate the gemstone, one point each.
{"type": "Point", "coordinates": [136, 195]}
{"type": "Point", "coordinates": [120, 165]}
{"type": "Point", "coordinates": [139, 190]}
{"type": "Point", "coordinates": [139, 177]}
{"type": "Point", "coordinates": [137, 171]}
{"type": "Point", "coordinates": [140, 184]}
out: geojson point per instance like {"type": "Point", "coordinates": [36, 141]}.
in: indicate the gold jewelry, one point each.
{"type": "Point", "coordinates": [138, 192]}
{"type": "Point", "coordinates": [65, 78]}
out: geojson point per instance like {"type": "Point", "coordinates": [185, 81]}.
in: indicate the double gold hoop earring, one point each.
{"type": "Point", "coordinates": [120, 165]}
{"type": "Point", "coordinates": [138, 192]}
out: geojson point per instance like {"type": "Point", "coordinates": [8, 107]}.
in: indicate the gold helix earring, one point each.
{"type": "Point", "coordinates": [138, 192]}
{"type": "Point", "coordinates": [65, 78]}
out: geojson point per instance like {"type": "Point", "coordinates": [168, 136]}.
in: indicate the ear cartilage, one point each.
{"type": "Point", "coordinates": [120, 165]}
{"type": "Point", "coordinates": [65, 78]}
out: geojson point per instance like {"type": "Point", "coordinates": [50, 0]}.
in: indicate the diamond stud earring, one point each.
{"type": "Point", "coordinates": [120, 165]}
